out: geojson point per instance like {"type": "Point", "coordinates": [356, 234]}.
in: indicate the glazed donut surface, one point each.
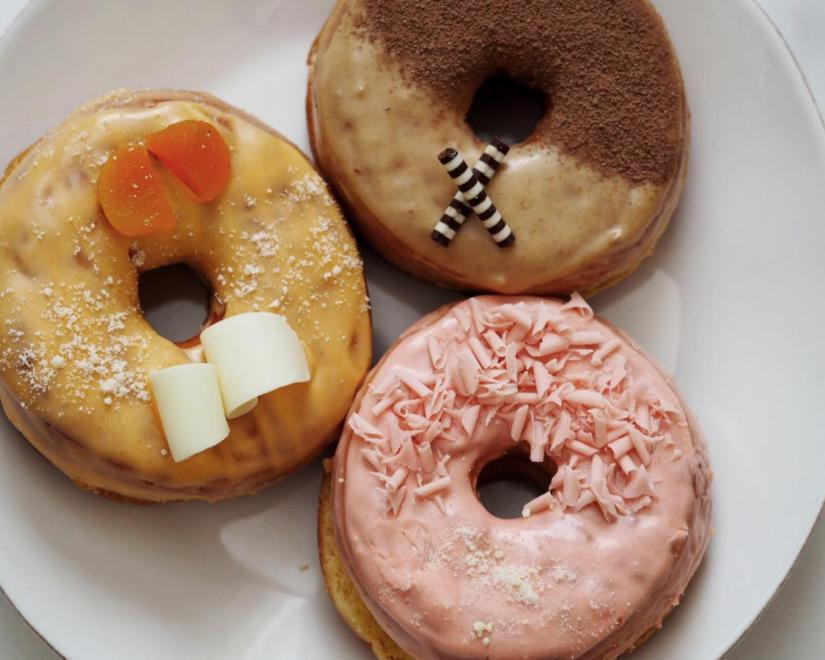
{"type": "Point", "coordinates": [599, 560]}
{"type": "Point", "coordinates": [587, 195]}
{"type": "Point", "coordinates": [75, 349]}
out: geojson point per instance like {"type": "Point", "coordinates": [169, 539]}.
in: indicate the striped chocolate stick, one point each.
{"type": "Point", "coordinates": [476, 197]}
{"type": "Point", "coordinates": [458, 211]}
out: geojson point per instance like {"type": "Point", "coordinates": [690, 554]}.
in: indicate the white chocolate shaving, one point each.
{"type": "Point", "coordinates": [542, 502]}
{"type": "Point", "coordinates": [543, 378]}
{"type": "Point", "coordinates": [585, 338]}
{"type": "Point", "coordinates": [254, 353]}
{"type": "Point", "coordinates": [433, 487]}
{"type": "Point", "coordinates": [188, 400]}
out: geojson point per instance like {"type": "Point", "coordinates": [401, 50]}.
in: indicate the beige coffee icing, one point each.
{"type": "Point", "coordinates": [376, 133]}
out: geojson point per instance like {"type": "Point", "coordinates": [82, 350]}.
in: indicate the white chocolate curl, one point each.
{"type": "Point", "coordinates": [189, 404]}
{"type": "Point", "coordinates": [254, 353]}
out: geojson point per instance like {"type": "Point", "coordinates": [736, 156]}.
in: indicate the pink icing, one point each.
{"type": "Point", "coordinates": [596, 561]}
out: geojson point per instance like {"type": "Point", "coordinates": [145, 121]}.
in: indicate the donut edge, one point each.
{"type": "Point", "coordinates": [341, 587]}
{"type": "Point", "coordinates": [27, 427]}
{"type": "Point", "coordinates": [393, 251]}
{"type": "Point", "coordinates": [344, 595]}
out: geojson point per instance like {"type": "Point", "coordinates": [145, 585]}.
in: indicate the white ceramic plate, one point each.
{"type": "Point", "coordinates": [731, 303]}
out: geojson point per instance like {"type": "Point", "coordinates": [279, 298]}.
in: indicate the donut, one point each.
{"type": "Point", "coordinates": [587, 194]}
{"type": "Point", "coordinates": [76, 352]}
{"type": "Point", "coordinates": [540, 390]}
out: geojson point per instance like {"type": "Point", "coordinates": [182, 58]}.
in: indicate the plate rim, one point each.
{"type": "Point", "coordinates": [819, 122]}
{"type": "Point", "coordinates": [792, 66]}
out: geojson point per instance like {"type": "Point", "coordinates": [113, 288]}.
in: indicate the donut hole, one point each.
{"type": "Point", "coordinates": [505, 484]}
{"type": "Point", "coordinates": [506, 108]}
{"type": "Point", "coordinates": [175, 301]}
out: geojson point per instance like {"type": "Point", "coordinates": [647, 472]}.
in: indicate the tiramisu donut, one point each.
{"type": "Point", "coordinates": [586, 196]}
{"type": "Point", "coordinates": [595, 562]}
{"type": "Point", "coordinates": [76, 352]}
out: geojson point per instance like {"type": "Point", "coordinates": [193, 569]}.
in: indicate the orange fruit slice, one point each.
{"type": "Point", "coordinates": [196, 153]}
{"type": "Point", "coordinates": [131, 194]}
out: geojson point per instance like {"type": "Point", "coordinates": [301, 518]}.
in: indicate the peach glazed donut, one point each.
{"type": "Point", "coordinates": [417, 565]}
{"type": "Point", "coordinates": [587, 195]}
{"type": "Point", "coordinates": [77, 354]}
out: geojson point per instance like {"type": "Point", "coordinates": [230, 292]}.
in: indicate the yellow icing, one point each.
{"type": "Point", "coordinates": [75, 349]}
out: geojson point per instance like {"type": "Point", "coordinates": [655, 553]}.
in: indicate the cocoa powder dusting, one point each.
{"type": "Point", "coordinates": [614, 90]}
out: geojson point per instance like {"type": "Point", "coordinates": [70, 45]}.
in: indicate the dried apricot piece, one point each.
{"type": "Point", "coordinates": [197, 154]}
{"type": "Point", "coordinates": [131, 194]}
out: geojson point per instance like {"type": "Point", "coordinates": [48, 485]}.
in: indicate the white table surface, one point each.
{"type": "Point", "coordinates": [792, 626]}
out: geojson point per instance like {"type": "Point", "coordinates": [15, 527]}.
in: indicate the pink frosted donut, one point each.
{"type": "Point", "coordinates": [594, 563]}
